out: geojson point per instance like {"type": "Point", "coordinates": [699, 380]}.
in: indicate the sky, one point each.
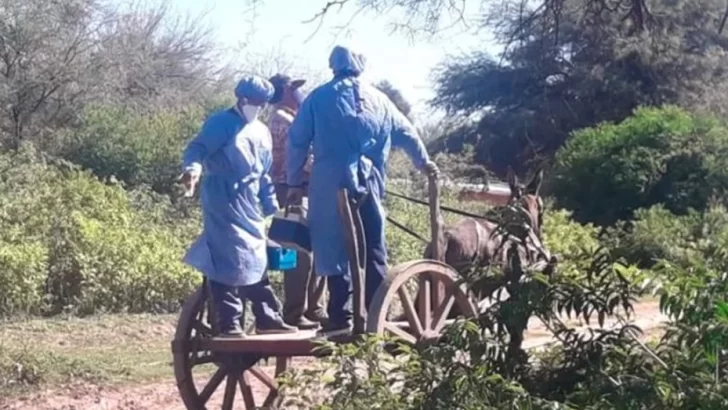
{"type": "Point", "coordinates": [280, 25]}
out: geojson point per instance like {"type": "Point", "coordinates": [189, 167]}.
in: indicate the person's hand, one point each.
{"type": "Point", "coordinates": [189, 180]}
{"type": "Point", "coordinates": [295, 195]}
{"type": "Point", "coordinates": [431, 169]}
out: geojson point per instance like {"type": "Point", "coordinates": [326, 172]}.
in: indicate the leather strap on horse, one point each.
{"type": "Point", "coordinates": [408, 230]}
{"type": "Point", "coordinates": [537, 243]}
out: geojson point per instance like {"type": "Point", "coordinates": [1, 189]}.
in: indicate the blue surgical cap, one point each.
{"type": "Point", "coordinates": [344, 60]}
{"type": "Point", "coordinates": [254, 88]}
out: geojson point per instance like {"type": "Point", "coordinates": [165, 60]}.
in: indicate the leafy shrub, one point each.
{"type": "Point", "coordinates": [659, 155]}
{"type": "Point", "coordinates": [571, 241]}
{"type": "Point", "coordinates": [483, 364]}
{"type": "Point", "coordinates": [135, 148]}
{"type": "Point", "coordinates": [23, 269]}
{"type": "Point", "coordinates": [657, 234]}
{"type": "Point", "coordinates": [480, 366]}
{"type": "Point", "coordinates": [73, 243]}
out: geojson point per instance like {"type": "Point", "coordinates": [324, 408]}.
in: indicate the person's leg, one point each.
{"type": "Point", "coordinates": [228, 308]}
{"type": "Point", "coordinates": [266, 308]}
{"type": "Point", "coordinates": [295, 286]}
{"type": "Point", "coordinates": [340, 289]}
{"type": "Point", "coordinates": [281, 194]}
{"type": "Point", "coordinates": [376, 252]}
{"type": "Point", "coordinates": [295, 281]}
{"type": "Point", "coordinates": [316, 310]}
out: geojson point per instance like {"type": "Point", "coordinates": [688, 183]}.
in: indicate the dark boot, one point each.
{"type": "Point", "coordinates": [302, 323]}
{"type": "Point", "coordinates": [317, 316]}
{"type": "Point", "coordinates": [275, 326]}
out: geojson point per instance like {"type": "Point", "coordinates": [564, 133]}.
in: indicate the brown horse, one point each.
{"type": "Point", "coordinates": [473, 243]}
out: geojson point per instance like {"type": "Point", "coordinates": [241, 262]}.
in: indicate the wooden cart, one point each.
{"type": "Point", "coordinates": [236, 360]}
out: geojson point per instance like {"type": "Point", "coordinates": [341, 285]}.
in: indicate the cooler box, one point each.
{"type": "Point", "coordinates": [290, 229]}
{"type": "Point", "coordinates": [280, 258]}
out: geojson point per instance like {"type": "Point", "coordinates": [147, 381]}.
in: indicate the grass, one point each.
{"type": "Point", "coordinates": [107, 349]}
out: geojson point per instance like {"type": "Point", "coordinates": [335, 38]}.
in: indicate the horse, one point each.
{"type": "Point", "coordinates": [474, 243]}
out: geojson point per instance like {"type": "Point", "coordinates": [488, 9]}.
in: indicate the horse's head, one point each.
{"type": "Point", "coordinates": [528, 197]}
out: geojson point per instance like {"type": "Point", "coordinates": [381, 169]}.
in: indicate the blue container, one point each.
{"type": "Point", "coordinates": [280, 258]}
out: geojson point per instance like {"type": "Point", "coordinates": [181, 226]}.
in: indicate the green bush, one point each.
{"type": "Point", "coordinates": [483, 364]}
{"type": "Point", "coordinates": [23, 268]}
{"type": "Point", "coordinates": [657, 234]}
{"type": "Point", "coordinates": [135, 148]}
{"type": "Point", "coordinates": [658, 156]}
{"type": "Point", "coordinates": [482, 367]}
{"type": "Point", "coordinates": [564, 236]}
{"type": "Point", "coordinates": [73, 243]}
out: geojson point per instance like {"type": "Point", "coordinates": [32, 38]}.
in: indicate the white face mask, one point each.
{"type": "Point", "coordinates": [251, 112]}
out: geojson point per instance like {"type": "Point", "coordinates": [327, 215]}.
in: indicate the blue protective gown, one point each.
{"type": "Point", "coordinates": [237, 194]}
{"type": "Point", "coordinates": [352, 127]}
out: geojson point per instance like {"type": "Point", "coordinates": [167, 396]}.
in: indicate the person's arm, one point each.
{"type": "Point", "coordinates": [267, 191]}
{"type": "Point", "coordinates": [405, 136]}
{"type": "Point", "coordinates": [300, 135]}
{"type": "Point", "coordinates": [213, 135]}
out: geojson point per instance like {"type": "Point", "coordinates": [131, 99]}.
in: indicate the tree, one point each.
{"type": "Point", "coordinates": [588, 69]}
{"type": "Point", "coordinates": [44, 62]}
{"type": "Point", "coordinates": [57, 56]}
{"type": "Point", "coordinates": [658, 156]}
{"type": "Point", "coordinates": [568, 64]}
{"type": "Point", "coordinates": [396, 96]}
{"type": "Point", "coordinates": [157, 58]}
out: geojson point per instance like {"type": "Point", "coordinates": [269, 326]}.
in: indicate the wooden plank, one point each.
{"type": "Point", "coordinates": [289, 345]}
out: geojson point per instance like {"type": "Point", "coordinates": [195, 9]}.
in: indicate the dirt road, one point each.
{"type": "Point", "coordinates": [164, 396]}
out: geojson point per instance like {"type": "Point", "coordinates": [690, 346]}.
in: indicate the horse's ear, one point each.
{"type": "Point", "coordinates": [512, 181]}
{"type": "Point", "coordinates": [534, 186]}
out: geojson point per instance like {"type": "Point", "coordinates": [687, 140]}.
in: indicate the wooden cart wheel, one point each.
{"type": "Point", "coordinates": [237, 370]}
{"type": "Point", "coordinates": [426, 323]}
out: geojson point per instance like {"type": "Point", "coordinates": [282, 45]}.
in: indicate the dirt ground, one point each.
{"type": "Point", "coordinates": [163, 395]}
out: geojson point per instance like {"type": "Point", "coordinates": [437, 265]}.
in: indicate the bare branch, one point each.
{"type": "Point", "coordinates": [723, 20]}
{"type": "Point", "coordinates": [329, 5]}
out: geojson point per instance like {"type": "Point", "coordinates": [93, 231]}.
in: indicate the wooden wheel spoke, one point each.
{"type": "Point", "coordinates": [270, 399]}
{"type": "Point", "coordinates": [202, 329]}
{"type": "Point", "coordinates": [230, 388]}
{"type": "Point", "coordinates": [247, 391]}
{"type": "Point", "coordinates": [431, 316]}
{"type": "Point", "coordinates": [409, 311]}
{"type": "Point", "coordinates": [425, 299]}
{"type": "Point", "coordinates": [212, 385]}
{"type": "Point", "coordinates": [264, 378]}
{"type": "Point", "coordinates": [443, 311]}
{"type": "Point", "coordinates": [399, 332]}
{"type": "Point", "coordinates": [282, 364]}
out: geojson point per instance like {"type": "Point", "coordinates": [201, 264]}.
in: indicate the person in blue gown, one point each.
{"type": "Point", "coordinates": [351, 127]}
{"type": "Point", "coordinates": [232, 155]}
